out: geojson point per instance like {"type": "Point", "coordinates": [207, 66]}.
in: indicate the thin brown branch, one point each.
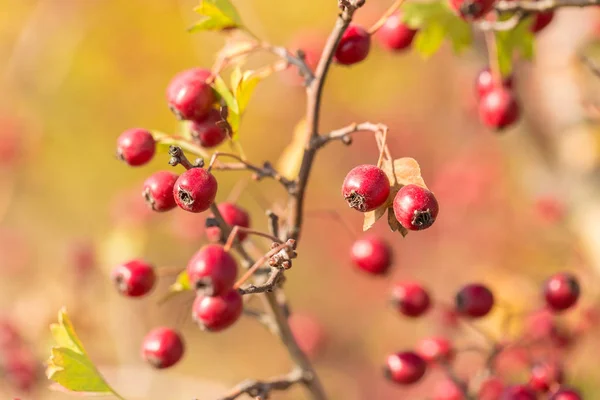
{"type": "Point", "coordinates": [237, 229]}
{"type": "Point", "coordinates": [504, 25]}
{"type": "Point", "coordinates": [272, 281]}
{"type": "Point", "coordinates": [459, 383]}
{"type": "Point", "coordinates": [266, 171]}
{"type": "Point", "coordinates": [541, 5]}
{"type": "Point", "coordinates": [296, 60]}
{"type": "Point", "coordinates": [381, 21]}
{"type": "Point", "coordinates": [344, 134]}
{"type": "Point", "coordinates": [287, 248]}
{"type": "Point", "coordinates": [263, 389]}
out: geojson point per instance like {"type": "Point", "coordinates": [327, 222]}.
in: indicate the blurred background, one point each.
{"type": "Point", "coordinates": [515, 207]}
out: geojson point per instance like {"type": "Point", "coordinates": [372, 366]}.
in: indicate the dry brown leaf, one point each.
{"type": "Point", "coordinates": [371, 217]}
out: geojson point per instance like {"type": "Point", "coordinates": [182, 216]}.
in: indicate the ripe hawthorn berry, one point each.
{"type": "Point", "coordinates": [405, 367]}
{"type": "Point", "coordinates": [518, 392]}
{"type": "Point", "coordinates": [561, 291]}
{"type": "Point", "coordinates": [233, 215]}
{"type": "Point", "coordinates": [415, 207]}
{"type": "Point", "coordinates": [474, 300]}
{"type": "Point", "coordinates": [366, 188]}
{"type": "Point", "coordinates": [371, 254]}
{"type": "Point", "coordinates": [20, 369]}
{"type": "Point", "coordinates": [158, 191]}
{"type": "Point", "coordinates": [544, 375]}
{"type": "Point", "coordinates": [470, 10]}
{"type": "Point", "coordinates": [435, 349]}
{"type": "Point", "coordinates": [490, 389]}
{"type": "Point", "coordinates": [354, 46]}
{"type": "Point", "coordinates": [189, 96]}
{"type": "Point", "coordinates": [195, 190]}
{"type": "Point", "coordinates": [565, 393]}
{"type": "Point", "coordinates": [395, 35]}
{"type": "Point", "coordinates": [541, 21]}
{"type": "Point", "coordinates": [136, 146]}
{"type": "Point", "coordinates": [134, 278]}
{"type": "Point", "coordinates": [162, 347]}
{"type": "Point", "coordinates": [212, 270]}
{"type": "Point", "coordinates": [206, 132]}
{"type": "Point", "coordinates": [217, 313]}
{"type": "Point", "coordinates": [499, 108]}
{"type": "Point", "coordinates": [410, 299]}
{"type": "Point", "coordinates": [447, 390]}
{"type": "Point", "coordinates": [486, 82]}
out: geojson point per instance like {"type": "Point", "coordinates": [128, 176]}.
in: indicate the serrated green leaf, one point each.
{"type": "Point", "coordinates": [216, 15]}
{"type": "Point", "coordinates": [519, 40]}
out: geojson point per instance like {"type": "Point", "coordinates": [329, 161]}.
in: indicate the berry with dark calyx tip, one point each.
{"type": "Point", "coordinates": [410, 298]}
{"type": "Point", "coordinates": [195, 190]}
{"type": "Point", "coordinates": [561, 291]}
{"type": "Point", "coordinates": [518, 392]}
{"type": "Point", "coordinates": [162, 347]}
{"type": "Point", "coordinates": [134, 278]}
{"type": "Point", "coordinates": [136, 146]}
{"type": "Point", "coordinates": [564, 393]}
{"type": "Point", "coordinates": [371, 254]}
{"type": "Point", "coordinates": [217, 313]}
{"type": "Point", "coordinates": [499, 109]}
{"type": "Point", "coordinates": [354, 46]}
{"type": "Point", "coordinates": [233, 215]}
{"type": "Point", "coordinates": [395, 34]}
{"type": "Point", "coordinates": [435, 349]}
{"type": "Point", "coordinates": [544, 375]}
{"type": "Point", "coordinates": [448, 390]}
{"type": "Point", "coordinates": [471, 10]}
{"type": "Point", "coordinates": [189, 96]}
{"type": "Point", "coordinates": [405, 368]}
{"type": "Point", "coordinates": [366, 188]}
{"type": "Point", "coordinates": [486, 82]}
{"type": "Point", "coordinates": [541, 20]}
{"type": "Point", "coordinates": [212, 271]}
{"type": "Point", "coordinates": [474, 300]}
{"type": "Point", "coordinates": [415, 207]}
{"type": "Point", "coordinates": [158, 191]}
{"type": "Point", "coordinates": [206, 132]}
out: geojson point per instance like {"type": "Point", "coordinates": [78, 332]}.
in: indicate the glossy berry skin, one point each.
{"type": "Point", "coordinates": [405, 368]}
{"type": "Point", "coordinates": [212, 271]}
{"type": "Point", "coordinates": [162, 348]}
{"type": "Point", "coordinates": [134, 278]}
{"type": "Point", "coordinates": [518, 392]}
{"type": "Point", "coordinates": [435, 349]}
{"type": "Point", "coordinates": [499, 109]}
{"type": "Point", "coordinates": [354, 46]}
{"type": "Point", "coordinates": [189, 96]}
{"type": "Point", "coordinates": [158, 191]}
{"type": "Point", "coordinates": [217, 313]}
{"type": "Point", "coordinates": [395, 35]}
{"type": "Point", "coordinates": [561, 291]}
{"type": "Point", "coordinates": [474, 301]}
{"type": "Point", "coordinates": [371, 254]}
{"type": "Point", "coordinates": [195, 190]}
{"type": "Point", "coordinates": [233, 215]}
{"type": "Point", "coordinates": [447, 390]}
{"type": "Point", "coordinates": [136, 147]}
{"type": "Point", "coordinates": [415, 207]}
{"type": "Point", "coordinates": [564, 393]}
{"type": "Point", "coordinates": [541, 21]}
{"type": "Point", "coordinates": [486, 82]}
{"type": "Point", "coordinates": [206, 132]}
{"type": "Point", "coordinates": [366, 188]}
{"type": "Point", "coordinates": [410, 299]}
{"type": "Point", "coordinates": [471, 10]}
{"type": "Point", "coordinates": [544, 375]}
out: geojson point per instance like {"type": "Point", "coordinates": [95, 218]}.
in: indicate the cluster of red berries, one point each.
{"type": "Point", "coordinates": [546, 376]}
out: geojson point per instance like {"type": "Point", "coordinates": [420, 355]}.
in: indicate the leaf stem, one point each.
{"type": "Point", "coordinates": [389, 12]}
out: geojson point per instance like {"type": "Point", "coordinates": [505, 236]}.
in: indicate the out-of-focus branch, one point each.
{"type": "Point", "coordinates": [263, 389]}
{"type": "Point", "coordinates": [542, 5]}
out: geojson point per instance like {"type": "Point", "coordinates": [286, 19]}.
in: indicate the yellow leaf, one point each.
{"type": "Point", "coordinates": [371, 217]}
{"type": "Point", "coordinates": [64, 333]}
{"type": "Point", "coordinates": [291, 157]}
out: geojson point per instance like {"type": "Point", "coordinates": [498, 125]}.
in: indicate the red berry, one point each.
{"type": "Point", "coordinates": [136, 146]}
{"type": "Point", "coordinates": [561, 291]}
{"type": "Point", "coordinates": [354, 46]}
{"type": "Point", "coordinates": [371, 254]}
{"type": "Point", "coordinates": [366, 188]}
{"type": "Point", "coordinates": [158, 191]}
{"type": "Point", "coordinates": [405, 368]}
{"type": "Point", "coordinates": [565, 393]}
{"type": "Point", "coordinates": [219, 312]}
{"type": "Point", "coordinates": [486, 83]}
{"type": "Point", "coordinates": [544, 375]}
{"type": "Point", "coordinates": [189, 96]}
{"type": "Point", "coordinates": [134, 278]}
{"type": "Point", "coordinates": [162, 347]}
{"type": "Point", "coordinates": [395, 34]}
{"type": "Point", "coordinates": [21, 369]}
{"type": "Point", "coordinates": [474, 300]}
{"type": "Point", "coordinates": [490, 389]}
{"type": "Point", "coordinates": [233, 215]}
{"type": "Point", "coordinates": [447, 390]}
{"type": "Point", "coordinates": [206, 131]}
{"type": "Point", "coordinates": [472, 9]}
{"type": "Point", "coordinates": [212, 270]}
{"type": "Point", "coordinates": [415, 207]}
{"type": "Point", "coordinates": [518, 392]}
{"type": "Point", "coordinates": [541, 20]}
{"type": "Point", "coordinates": [195, 190]}
{"type": "Point", "coordinates": [410, 299]}
{"type": "Point", "coordinates": [10, 338]}
{"type": "Point", "coordinates": [499, 109]}
{"type": "Point", "coordinates": [435, 349]}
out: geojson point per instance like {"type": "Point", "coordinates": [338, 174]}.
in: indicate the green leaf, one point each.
{"type": "Point", "coordinates": [216, 15]}
{"type": "Point", "coordinates": [430, 39]}
{"type": "Point", "coordinates": [182, 283]}
{"type": "Point", "coordinates": [64, 333]}
{"type": "Point", "coordinates": [519, 40]}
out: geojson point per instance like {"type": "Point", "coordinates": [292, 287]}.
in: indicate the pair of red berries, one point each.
{"type": "Point", "coordinates": [409, 367]}
{"type": "Point", "coordinates": [367, 188]}
{"type": "Point", "coordinates": [524, 392]}
{"type": "Point", "coordinates": [498, 106]}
